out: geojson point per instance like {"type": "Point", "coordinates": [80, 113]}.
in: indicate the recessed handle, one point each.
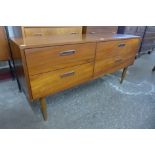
{"type": "Point", "coordinates": [37, 34]}
{"type": "Point", "coordinates": [65, 53]}
{"type": "Point", "coordinates": [71, 73]}
{"type": "Point", "coordinates": [121, 45]}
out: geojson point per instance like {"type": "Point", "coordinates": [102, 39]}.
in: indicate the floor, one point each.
{"type": "Point", "coordinates": [103, 103]}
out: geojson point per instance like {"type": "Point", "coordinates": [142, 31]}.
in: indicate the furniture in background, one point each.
{"type": "Point", "coordinates": [47, 65]}
{"type": "Point", "coordinates": [4, 48]}
{"type": "Point", "coordinates": [106, 30]}
{"type": "Point", "coordinates": [147, 33]}
{"type": "Point", "coordinates": [26, 31]}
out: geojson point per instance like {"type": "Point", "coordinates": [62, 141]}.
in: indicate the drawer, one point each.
{"type": "Point", "coordinates": [52, 82]}
{"type": "Point", "coordinates": [151, 28]}
{"type": "Point", "coordinates": [45, 31]}
{"type": "Point", "coordinates": [120, 48]}
{"type": "Point", "coordinates": [63, 30]}
{"type": "Point", "coordinates": [33, 31]}
{"type": "Point", "coordinates": [114, 55]}
{"type": "Point", "coordinates": [111, 65]}
{"type": "Point", "coordinates": [40, 60]}
{"type": "Point", "coordinates": [102, 29]}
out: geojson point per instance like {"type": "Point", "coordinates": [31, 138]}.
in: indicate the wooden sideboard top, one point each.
{"type": "Point", "coordinates": [33, 42]}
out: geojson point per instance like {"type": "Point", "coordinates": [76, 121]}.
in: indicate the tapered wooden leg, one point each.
{"type": "Point", "coordinates": [43, 108]}
{"type": "Point", "coordinates": [153, 69]}
{"type": "Point", "coordinates": [123, 74]}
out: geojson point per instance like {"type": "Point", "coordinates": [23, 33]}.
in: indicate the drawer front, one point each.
{"type": "Point", "coordinates": [45, 31]}
{"type": "Point", "coordinates": [36, 31]}
{"type": "Point", "coordinates": [114, 55]}
{"type": "Point", "coordinates": [52, 82]}
{"type": "Point", "coordinates": [119, 48]}
{"type": "Point", "coordinates": [110, 66]}
{"type": "Point", "coordinates": [63, 30]}
{"type": "Point", "coordinates": [102, 29]}
{"type": "Point", "coordinates": [40, 60]}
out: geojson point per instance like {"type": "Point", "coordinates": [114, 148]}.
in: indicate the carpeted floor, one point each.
{"type": "Point", "coordinates": [102, 103]}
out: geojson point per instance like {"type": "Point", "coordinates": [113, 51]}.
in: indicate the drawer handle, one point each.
{"type": "Point", "coordinates": [69, 52]}
{"type": "Point", "coordinates": [92, 32]}
{"type": "Point", "coordinates": [121, 45]}
{"type": "Point", "coordinates": [38, 34]}
{"type": "Point", "coordinates": [73, 33]}
{"type": "Point", "coordinates": [118, 60]}
{"type": "Point", "coordinates": [71, 73]}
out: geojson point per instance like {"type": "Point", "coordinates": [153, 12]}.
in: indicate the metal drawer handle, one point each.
{"type": "Point", "coordinates": [38, 34]}
{"type": "Point", "coordinates": [92, 32]}
{"type": "Point", "coordinates": [71, 73]}
{"type": "Point", "coordinates": [69, 52]}
{"type": "Point", "coordinates": [121, 45]}
{"type": "Point", "coordinates": [118, 60]}
{"type": "Point", "coordinates": [73, 33]}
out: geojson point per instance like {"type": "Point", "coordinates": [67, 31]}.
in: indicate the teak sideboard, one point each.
{"type": "Point", "coordinates": [47, 65]}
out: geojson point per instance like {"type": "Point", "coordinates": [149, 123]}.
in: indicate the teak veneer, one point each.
{"type": "Point", "coordinates": [47, 65]}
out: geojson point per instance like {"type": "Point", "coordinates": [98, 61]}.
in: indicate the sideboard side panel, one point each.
{"type": "Point", "coordinates": [20, 69]}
